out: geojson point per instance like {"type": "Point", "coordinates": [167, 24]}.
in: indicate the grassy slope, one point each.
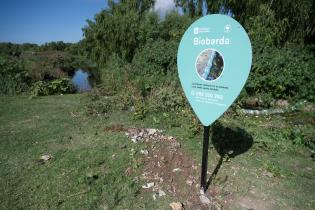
{"type": "Point", "coordinates": [272, 174]}
{"type": "Point", "coordinates": [87, 170]}
{"type": "Point", "coordinates": [80, 149]}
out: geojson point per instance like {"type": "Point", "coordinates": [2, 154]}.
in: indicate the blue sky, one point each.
{"type": "Point", "coordinates": [40, 21]}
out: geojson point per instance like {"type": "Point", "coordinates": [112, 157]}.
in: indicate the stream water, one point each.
{"type": "Point", "coordinates": [81, 81]}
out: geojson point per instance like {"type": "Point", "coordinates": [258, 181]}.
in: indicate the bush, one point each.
{"type": "Point", "coordinates": [156, 58]}
{"type": "Point", "coordinates": [286, 73]}
{"type": "Point", "coordinates": [140, 111]}
{"type": "Point", "coordinates": [58, 86]}
{"type": "Point", "coordinates": [13, 77]}
{"type": "Point", "coordinates": [113, 74]}
{"type": "Point", "coordinates": [280, 70]}
{"type": "Point", "coordinates": [264, 29]}
{"type": "Point", "coordinates": [101, 106]}
{"type": "Point", "coordinates": [168, 97]}
{"type": "Point", "coordinates": [303, 136]}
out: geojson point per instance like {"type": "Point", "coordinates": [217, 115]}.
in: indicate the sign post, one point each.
{"type": "Point", "coordinates": [214, 59]}
{"type": "Point", "coordinates": [204, 163]}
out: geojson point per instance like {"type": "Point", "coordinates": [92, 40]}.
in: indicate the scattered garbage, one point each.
{"type": "Point", "coordinates": [165, 161]}
{"type": "Point", "coordinates": [148, 185]}
{"type": "Point", "coordinates": [144, 151]}
{"type": "Point", "coordinates": [204, 199]}
{"type": "Point", "coordinates": [151, 131]}
{"type": "Point", "coordinates": [262, 112]}
{"type": "Point", "coordinates": [177, 169]}
{"type": "Point", "coordinates": [161, 193]}
{"type": "Point", "coordinates": [149, 134]}
{"type": "Point", "coordinates": [44, 158]}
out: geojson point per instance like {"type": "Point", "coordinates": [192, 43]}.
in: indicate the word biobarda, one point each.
{"type": "Point", "coordinates": [208, 41]}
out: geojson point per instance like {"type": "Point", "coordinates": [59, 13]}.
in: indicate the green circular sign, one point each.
{"type": "Point", "coordinates": [214, 59]}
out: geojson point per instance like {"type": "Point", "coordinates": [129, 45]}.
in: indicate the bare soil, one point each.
{"type": "Point", "coordinates": [172, 170]}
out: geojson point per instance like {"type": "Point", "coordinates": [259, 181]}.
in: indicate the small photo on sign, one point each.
{"type": "Point", "coordinates": [209, 64]}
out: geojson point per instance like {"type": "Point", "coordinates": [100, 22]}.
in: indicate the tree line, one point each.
{"type": "Point", "coordinates": [129, 38]}
{"type": "Point", "coordinates": [131, 44]}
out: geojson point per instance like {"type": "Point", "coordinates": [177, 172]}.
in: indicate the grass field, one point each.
{"type": "Point", "coordinates": [265, 170]}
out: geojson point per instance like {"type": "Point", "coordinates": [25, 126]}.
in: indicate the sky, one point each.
{"type": "Point", "coordinates": [40, 21]}
{"type": "Point", "coordinates": [164, 6]}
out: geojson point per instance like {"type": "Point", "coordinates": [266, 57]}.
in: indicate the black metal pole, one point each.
{"type": "Point", "coordinates": [204, 163]}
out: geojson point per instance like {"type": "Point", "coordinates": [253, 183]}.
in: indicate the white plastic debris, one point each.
{"type": "Point", "coordinates": [144, 151]}
{"type": "Point", "coordinates": [45, 157]}
{"type": "Point", "coordinates": [148, 185]}
{"type": "Point", "coordinates": [177, 169]}
{"type": "Point", "coordinates": [134, 140]}
{"type": "Point", "coordinates": [151, 131]}
{"type": "Point", "coordinates": [161, 193]}
{"type": "Point", "coordinates": [204, 199]}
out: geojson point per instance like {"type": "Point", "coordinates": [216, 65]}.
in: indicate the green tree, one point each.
{"type": "Point", "coordinates": [300, 27]}
{"type": "Point", "coordinates": [10, 49]}
{"type": "Point", "coordinates": [119, 30]}
{"type": "Point", "coordinates": [174, 26]}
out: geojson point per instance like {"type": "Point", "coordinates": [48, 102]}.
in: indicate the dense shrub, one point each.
{"type": "Point", "coordinates": [168, 97]}
{"type": "Point", "coordinates": [113, 73]}
{"type": "Point", "coordinates": [13, 77]}
{"type": "Point", "coordinates": [136, 53]}
{"type": "Point", "coordinates": [101, 106]}
{"type": "Point", "coordinates": [285, 73]}
{"type": "Point", "coordinates": [10, 49]}
{"type": "Point", "coordinates": [58, 86]}
{"type": "Point", "coordinates": [265, 30]}
{"type": "Point", "coordinates": [279, 71]}
{"type": "Point", "coordinates": [156, 58]}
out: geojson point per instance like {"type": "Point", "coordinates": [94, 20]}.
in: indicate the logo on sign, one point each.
{"type": "Point", "coordinates": [198, 30]}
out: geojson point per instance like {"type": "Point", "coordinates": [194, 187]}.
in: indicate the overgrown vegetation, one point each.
{"type": "Point", "coordinates": [131, 44]}
{"type": "Point", "coordinates": [57, 86]}
{"type": "Point", "coordinates": [135, 55]}
{"type": "Point", "coordinates": [137, 60]}
{"type": "Point", "coordinates": [13, 77]}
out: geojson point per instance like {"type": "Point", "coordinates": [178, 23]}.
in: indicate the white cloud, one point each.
{"type": "Point", "coordinates": [164, 6]}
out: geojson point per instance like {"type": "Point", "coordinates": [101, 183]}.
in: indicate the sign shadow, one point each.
{"type": "Point", "coordinates": [228, 142]}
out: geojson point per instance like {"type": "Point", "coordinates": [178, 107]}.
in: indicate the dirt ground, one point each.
{"type": "Point", "coordinates": [168, 170]}
{"type": "Point", "coordinates": [173, 171]}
